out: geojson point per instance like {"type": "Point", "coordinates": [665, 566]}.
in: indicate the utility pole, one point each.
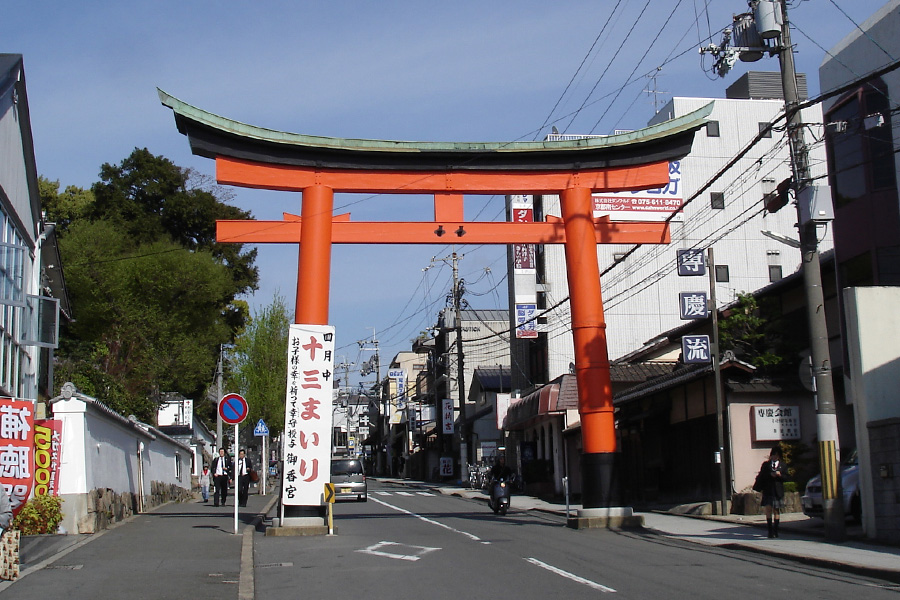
{"type": "Point", "coordinates": [383, 426]}
{"type": "Point", "coordinates": [460, 374]}
{"type": "Point", "coordinates": [219, 369]}
{"type": "Point", "coordinates": [717, 376]}
{"type": "Point", "coordinates": [826, 416]}
{"type": "Point", "coordinates": [770, 20]}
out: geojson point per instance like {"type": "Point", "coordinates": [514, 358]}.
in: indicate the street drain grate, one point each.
{"type": "Point", "coordinates": [272, 565]}
{"type": "Point", "coordinates": [64, 567]}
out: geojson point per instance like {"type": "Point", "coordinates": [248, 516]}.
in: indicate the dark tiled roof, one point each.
{"type": "Point", "coordinates": [640, 372]}
{"type": "Point", "coordinates": [494, 378]}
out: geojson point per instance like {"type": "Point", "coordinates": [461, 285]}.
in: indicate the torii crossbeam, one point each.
{"type": "Point", "coordinates": [319, 167]}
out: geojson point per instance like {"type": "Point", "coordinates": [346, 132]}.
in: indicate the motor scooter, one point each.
{"type": "Point", "coordinates": [500, 495]}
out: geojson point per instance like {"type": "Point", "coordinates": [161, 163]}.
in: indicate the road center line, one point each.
{"type": "Point", "coordinates": [571, 576]}
{"type": "Point", "coordinates": [427, 520]}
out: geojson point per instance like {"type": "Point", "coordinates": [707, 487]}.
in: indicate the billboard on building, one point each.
{"type": "Point", "coordinates": [645, 205]}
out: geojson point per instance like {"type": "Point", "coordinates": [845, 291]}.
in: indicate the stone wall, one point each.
{"type": "Point", "coordinates": [884, 451]}
{"type": "Point", "coordinates": [106, 507]}
{"type": "Point", "coordinates": [748, 503]}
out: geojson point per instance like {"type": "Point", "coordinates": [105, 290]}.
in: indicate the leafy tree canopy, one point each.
{"type": "Point", "coordinates": [747, 331]}
{"type": "Point", "coordinates": [259, 365]}
{"type": "Point", "coordinates": [152, 292]}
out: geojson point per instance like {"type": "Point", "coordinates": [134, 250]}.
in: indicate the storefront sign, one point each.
{"type": "Point", "coordinates": [775, 423]}
{"type": "Point", "coordinates": [447, 415]}
{"type": "Point", "coordinates": [47, 447]}
{"type": "Point", "coordinates": [16, 447]}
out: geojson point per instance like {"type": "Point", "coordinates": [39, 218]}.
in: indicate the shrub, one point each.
{"type": "Point", "coordinates": [41, 514]}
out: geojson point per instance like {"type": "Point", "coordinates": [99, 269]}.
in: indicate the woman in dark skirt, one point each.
{"type": "Point", "coordinates": [771, 479]}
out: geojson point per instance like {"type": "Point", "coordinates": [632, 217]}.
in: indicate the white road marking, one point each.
{"type": "Point", "coordinates": [431, 521]}
{"type": "Point", "coordinates": [403, 493]}
{"type": "Point", "coordinates": [424, 493]}
{"type": "Point", "coordinates": [571, 576]}
{"type": "Point", "coordinates": [419, 551]}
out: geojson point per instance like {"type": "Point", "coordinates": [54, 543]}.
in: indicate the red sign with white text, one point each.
{"type": "Point", "coordinates": [16, 447]}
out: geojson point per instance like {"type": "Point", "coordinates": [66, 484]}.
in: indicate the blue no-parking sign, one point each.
{"type": "Point", "coordinates": [233, 408]}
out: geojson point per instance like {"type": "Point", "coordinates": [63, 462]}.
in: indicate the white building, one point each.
{"type": "Point", "coordinates": [30, 269]}
{"type": "Point", "coordinates": [721, 189]}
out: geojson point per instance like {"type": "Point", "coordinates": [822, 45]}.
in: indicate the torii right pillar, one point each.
{"type": "Point", "coordinates": [595, 406]}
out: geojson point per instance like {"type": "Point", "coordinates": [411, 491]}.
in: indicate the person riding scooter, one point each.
{"type": "Point", "coordinates": [500, 470]}
{"type": "Point", "coordinates": [501, 475]}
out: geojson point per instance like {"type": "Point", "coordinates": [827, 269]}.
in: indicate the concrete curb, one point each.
{"type": "Point", "coordinates": [247, 584]}
{"type": "Point", "coordinates": [814, 561]}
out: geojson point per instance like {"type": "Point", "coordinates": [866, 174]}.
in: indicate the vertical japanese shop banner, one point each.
{"type": "Point", "coordinates": [447, 415]}
{"type": "Point", "coordinates": [308, 416]}
{"type": "Point", "coordinates": [398, 396]}
{"type": "Point", "coordinates": [47, 447]}
{"type": "Point", "coordinates": [16, 446]}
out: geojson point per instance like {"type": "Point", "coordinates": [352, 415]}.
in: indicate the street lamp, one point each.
{"type": "Point", "coordinates": [789, 241]}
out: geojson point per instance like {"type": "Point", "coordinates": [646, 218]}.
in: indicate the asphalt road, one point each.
{"type": "Point", "coordinates": [404, 543]}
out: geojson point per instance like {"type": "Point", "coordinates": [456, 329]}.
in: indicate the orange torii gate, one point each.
{"type": "Point", "coordinates": [319, 167]}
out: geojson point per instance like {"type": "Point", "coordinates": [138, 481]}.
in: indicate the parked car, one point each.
{"type": "Point", "coordinates": [812, 498]}
{"type": "Point", "coordinates": [349, 479]}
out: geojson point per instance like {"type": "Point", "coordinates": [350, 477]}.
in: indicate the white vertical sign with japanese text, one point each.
{"type": "Point", "coordinates": [447, 415]}
{"type": "Point", "coordinates": [307, 416]}
{"type": "Point", "coordinates": [398, 395]}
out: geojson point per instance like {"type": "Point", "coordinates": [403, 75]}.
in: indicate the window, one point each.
{"type": "Point", "coordinates": [178, 470]}
{"type": "Point", "coordinates": [618, 257]}
{"type": "Point", "coordinates": [712, 129]}
{"type": "Point", "coordinates": [722, 273]}
{"type": "Point", "coordinates": [717, 200]}
{"type": "Point", "coordinates": [774, 273]}
{"type": "Point", "coordinates": [14, 356]}
{"type": "Point", "coordinates": [764, 127]}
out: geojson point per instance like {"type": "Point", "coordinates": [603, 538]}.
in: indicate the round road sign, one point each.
{"type": "Point", "coordinates": [233, 408]}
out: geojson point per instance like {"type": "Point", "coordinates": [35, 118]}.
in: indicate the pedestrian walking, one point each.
{"type": "Point", "coordinates": [204, 483]}
{"type": "Point", "coordinates": [770, 481]}
{"type": "Point", "coordinates": [223, 471]}
{"type": "Point", "coordinates": [244, 468]}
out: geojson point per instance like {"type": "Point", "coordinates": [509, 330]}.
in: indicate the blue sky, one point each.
{"type": "Point", "coordinates": [411, 70]}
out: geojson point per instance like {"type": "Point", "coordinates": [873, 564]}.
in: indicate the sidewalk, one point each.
{"type": "Point", "coordinates": [801, 538]}
{"type": "Point", "coordinates": [175, 551]}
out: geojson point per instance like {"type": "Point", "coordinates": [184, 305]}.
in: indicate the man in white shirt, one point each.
{"type": "Point", "coordinates": [244, 467]}
{"type": "Point", "coordinates": [222, 471]}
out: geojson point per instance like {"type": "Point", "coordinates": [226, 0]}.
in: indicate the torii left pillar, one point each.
{"type": "Point", "coordinates": [314, 265]}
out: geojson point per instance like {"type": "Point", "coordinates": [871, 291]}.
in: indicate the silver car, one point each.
{"type": "Point", "coordinates": [349, 479]}
{"type": "Point", "coordinates": [812, 499]}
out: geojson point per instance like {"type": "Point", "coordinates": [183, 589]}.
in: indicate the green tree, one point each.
{"type": "Point", "coordinates": [150, 198]}
{"type": "Point", "coordinates": [747, 332]}
{"type": "Point", "coordinates": [148, 317]}
{"type": "Point", "coordinates": [259, 365]}
{"type": "Point", "coordinates": [63, 208]}
{"type": "Point", "coordinates": [152, 292]}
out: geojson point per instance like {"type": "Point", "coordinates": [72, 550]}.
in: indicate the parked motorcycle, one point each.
{"type": "Point", "coordinates": [501, 491]}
